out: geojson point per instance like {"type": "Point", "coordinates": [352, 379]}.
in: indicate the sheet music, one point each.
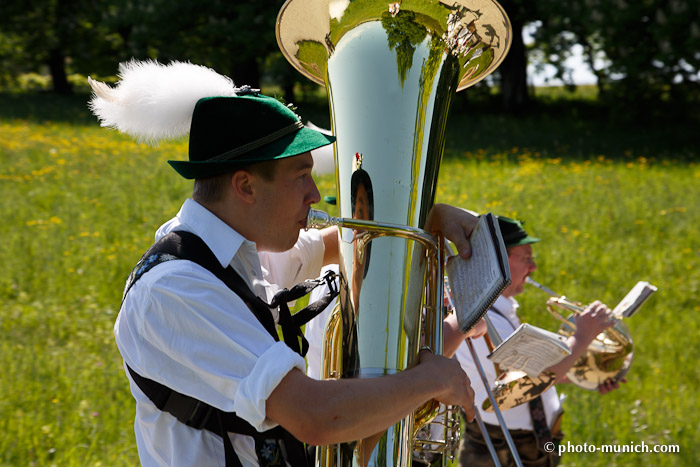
{"type": "Point", "coordinates": [478, 281]}
{"type": "Point", "coordinates": [530, 349]}
{"type": "Point", "coordinates": [468, 287]}
{"type": "Point", "coordinates": [634, 299]}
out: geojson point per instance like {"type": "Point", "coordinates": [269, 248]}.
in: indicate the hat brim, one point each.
{"type": "Point", "coordinates": [294, 144]}
{"type": "Point", "coordinates": [524, 241]}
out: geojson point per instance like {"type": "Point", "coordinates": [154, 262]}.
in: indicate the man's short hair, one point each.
{"type": "Point", "coordinates": [211, 189]}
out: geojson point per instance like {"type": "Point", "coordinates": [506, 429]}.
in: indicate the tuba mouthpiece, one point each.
{"type": "Point", "coordinates": [317, 219]}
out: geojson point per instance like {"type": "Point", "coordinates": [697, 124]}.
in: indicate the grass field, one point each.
{"type": "Point", "coordinates": [613, 204]}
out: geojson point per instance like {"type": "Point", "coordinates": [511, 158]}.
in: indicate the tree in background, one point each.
{"type": "Point", "coordinates": [91, 36]}
{"type": "Point", "coordinates": [640, 51]}
{"type": "Point", "coordinates": [234, 38]}
{"type": "Point", "coordinates": [49, 34]}
{"type": "Point", "coordinates": [513, 70]}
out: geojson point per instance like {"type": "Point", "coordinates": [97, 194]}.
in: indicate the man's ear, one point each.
{"type": "Point", "coordinates": [243, 185]}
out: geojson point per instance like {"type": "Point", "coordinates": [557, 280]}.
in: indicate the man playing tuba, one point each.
{"type": "Point", "coordinates": [213, 384]}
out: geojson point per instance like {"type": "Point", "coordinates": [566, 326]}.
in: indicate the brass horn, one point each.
{"type": "Point", "coordinates": [610, 354]}
{"type": "Point", "coordinates": [390, 70]}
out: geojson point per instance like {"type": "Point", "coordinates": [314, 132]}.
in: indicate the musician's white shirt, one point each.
{"type": "Point", "coordinates": [179, 326]}
{"type": "Point", "coordinates": [314, 329]}
{"type": "Point", "coordinates": [517, 417]}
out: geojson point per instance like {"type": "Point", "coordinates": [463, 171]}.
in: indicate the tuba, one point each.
{"type": "Point", "coordinates": [390, 70]}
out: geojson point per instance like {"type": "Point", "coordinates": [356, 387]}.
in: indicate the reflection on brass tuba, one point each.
{"type": "Point", "coordinates": [610, 354]}
{"type": "Point", "coordinates": [390, 70]}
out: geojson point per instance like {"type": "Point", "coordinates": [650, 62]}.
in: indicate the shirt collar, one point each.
{"type": "Point", "coordinates": [221, 239]}
{"type": "Point", "coordinates": [508, 306]}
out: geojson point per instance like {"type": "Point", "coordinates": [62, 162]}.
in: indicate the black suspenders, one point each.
{"type": "Point", "coordinates": [195, 413]}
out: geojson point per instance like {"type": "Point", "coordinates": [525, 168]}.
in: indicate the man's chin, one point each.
{"type": "Point", "coordinates": [513, 290]}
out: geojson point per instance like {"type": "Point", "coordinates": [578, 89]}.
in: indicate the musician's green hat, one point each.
{"type": "Point", "coordinates": [513, 232]}
{"type": "Point", "coordinates": [231, 132]}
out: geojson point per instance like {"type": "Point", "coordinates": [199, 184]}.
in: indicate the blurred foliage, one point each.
{"type": "Point", "coordinates": [642, 52]}
{"type": "Point", "coordinates": [55, 35]}
{"type": "Point", "coordinates": [235, 38]}
{"type": "Point", "coordinates": [232, 37]}
{"type": "Point", "coordinates": [403, 34]}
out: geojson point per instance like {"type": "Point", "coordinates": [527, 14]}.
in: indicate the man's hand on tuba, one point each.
{"type": "Point", "coordinates": [455, 224]}
{"type": "Point", "coordinates": [454, 385]}
{"type": "Point", "coordinates": [593, 320]}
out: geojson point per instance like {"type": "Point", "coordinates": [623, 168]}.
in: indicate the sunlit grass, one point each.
{"type": "Point", "coordinates": [81, 203]}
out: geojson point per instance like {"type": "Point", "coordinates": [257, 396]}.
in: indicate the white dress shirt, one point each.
{"type": "Point", "coordinates": [180, 326]}
{"type": "Point", "coordinates": [315, 329]}
{"type": "Point", "coordinates": [517, 417]}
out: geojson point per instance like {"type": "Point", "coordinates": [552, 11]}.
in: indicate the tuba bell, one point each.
{"type": "Point", "coordinates": [390, 70]}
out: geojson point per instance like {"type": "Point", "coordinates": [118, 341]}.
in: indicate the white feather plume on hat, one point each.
{"type": "Point", "coordinates": [154, 102]}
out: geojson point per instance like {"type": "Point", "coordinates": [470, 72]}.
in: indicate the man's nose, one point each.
{"type": "Point", "coordinates": [314, 195]}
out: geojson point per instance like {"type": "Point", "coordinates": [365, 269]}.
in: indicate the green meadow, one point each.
{"type": "Point", "coordinates": [613, 201]}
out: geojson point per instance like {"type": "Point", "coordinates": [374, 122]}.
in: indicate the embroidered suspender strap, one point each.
{"type": "Point", "coordinates": [195, 413]}
{"type": "Point", "coordinates": [186, 245]}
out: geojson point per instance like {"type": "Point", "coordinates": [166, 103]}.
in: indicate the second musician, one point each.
{"type": "Point", "coordinates": [531, 425]}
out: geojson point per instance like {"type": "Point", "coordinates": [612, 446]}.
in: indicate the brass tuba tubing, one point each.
{"type": "Point", "coordinates": [318, 219]}
{"type": "Point", "coordinates": [363, 233]}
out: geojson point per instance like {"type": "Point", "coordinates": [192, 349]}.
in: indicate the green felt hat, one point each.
{"type": "Point", "coordinates": [228, 133]}
{"type": "Point", "coordinates": [513, 233]}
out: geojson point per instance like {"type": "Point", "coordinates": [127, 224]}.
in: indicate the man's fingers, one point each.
{"type": "Point", "coordinates": [609, 385]}
{"type": "Point", "coordinates": [469, 407]}
{"type": "Point", "coordinates": [464, 249]}
{"type": "Point", "coordinates": [470, 412]}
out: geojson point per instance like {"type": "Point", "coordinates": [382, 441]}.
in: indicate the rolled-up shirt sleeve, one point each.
{"type": "Point", "coordinates": [200, 339]}
{"type": "Point", "coordinates": [253, 391]}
